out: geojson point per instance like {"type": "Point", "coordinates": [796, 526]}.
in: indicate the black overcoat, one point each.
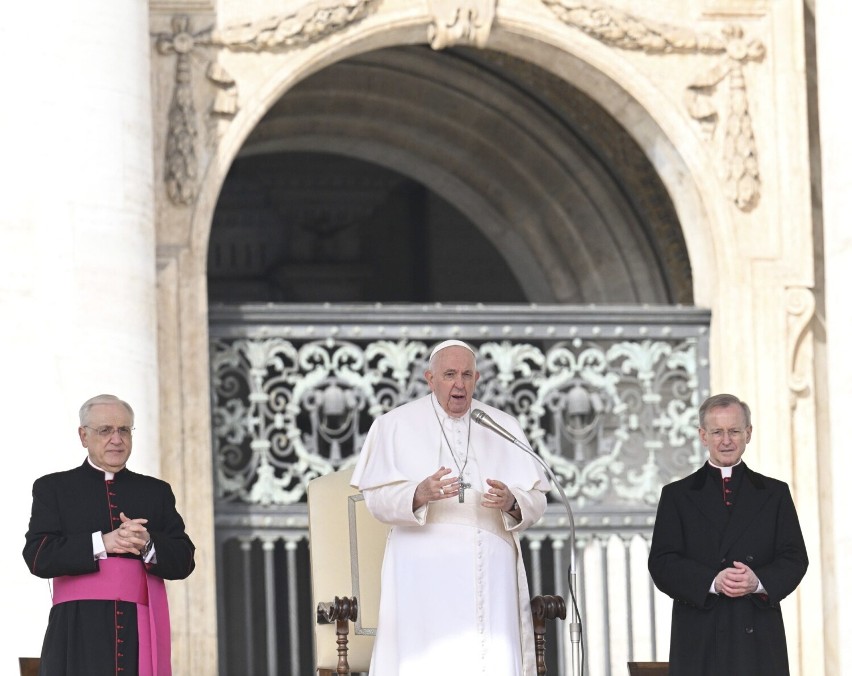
{"type": "Point", "coordinates": [98, 638]}
{"type": "Point", "coordinates": [696, 536]}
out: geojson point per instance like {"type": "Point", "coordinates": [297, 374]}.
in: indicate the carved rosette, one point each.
{"type": "Point", "coordinates": [619, 29]}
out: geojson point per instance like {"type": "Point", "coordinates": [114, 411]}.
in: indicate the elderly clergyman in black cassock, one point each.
{"type": "Point", "coordinates": [108, 537]}
{"type": "Point", "coordinates": [727, 547]}
{"type": "Point", "coordinates": [454, 595]}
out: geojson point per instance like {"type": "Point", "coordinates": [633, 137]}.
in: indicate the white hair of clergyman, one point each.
{"type": "Point", "coordinates": [102, 399]}
{"type": "Point", "coordinates": [446, 344]}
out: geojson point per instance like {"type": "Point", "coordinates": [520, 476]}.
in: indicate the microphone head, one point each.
{"type": "Point", "coordinates": [482, 418]}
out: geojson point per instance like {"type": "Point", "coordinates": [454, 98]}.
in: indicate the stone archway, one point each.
{"type": "Point", "coordinates": [629, 89]}
{"type": "Point", "coordinates": [554, 183]}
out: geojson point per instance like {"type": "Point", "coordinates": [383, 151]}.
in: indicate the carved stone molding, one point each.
{"type": "Point", "coordinates": [460, 22]}
{"type": "Point", "coordinates": [800, 312]}
{"type": "Point", "coordinates": [622, 30]}
{"type": "Point", "coordinates": [310, 23]}
{"type": "Point", "coordinates": [181, 170]}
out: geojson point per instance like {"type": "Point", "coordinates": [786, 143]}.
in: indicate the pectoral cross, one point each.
{"type": "Point", "coordinates": [462, 486]}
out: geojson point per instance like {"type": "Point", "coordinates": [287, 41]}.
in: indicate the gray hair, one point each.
{"type": "Point", "coordinates": [86, 408]}
{"type": "Point", "coordinates": [721, 401]}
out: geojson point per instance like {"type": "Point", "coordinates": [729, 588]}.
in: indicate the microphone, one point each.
{"type": "Point", "coordinates": [480, 417]}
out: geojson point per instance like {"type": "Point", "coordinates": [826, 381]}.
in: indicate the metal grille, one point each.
{"type": "Point", "coordinates": [607, 397]}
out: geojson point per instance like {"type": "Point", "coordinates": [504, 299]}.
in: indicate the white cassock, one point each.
{"type": "Point", "coordinates": [454, 593]}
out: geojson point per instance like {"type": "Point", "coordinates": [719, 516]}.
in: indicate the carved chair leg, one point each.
{"type": "Point", "coordinates": [544, 608]}
{"type": "Point", "coordinates": [341, 611]}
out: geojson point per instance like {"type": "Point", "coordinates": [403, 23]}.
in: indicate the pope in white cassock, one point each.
{"type": "Point", "coordinates": [454, 594]}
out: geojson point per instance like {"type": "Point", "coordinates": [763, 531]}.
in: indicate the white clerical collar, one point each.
{"type": "Point", "coordinates": [108, 476]}
{"type": "Point", "coordinates": [726, 471]}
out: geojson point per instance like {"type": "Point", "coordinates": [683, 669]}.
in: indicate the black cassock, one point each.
{"type": "Point", "coordinates": [98, 638]}
{"type": "Point", "coordinates": [695, 537]}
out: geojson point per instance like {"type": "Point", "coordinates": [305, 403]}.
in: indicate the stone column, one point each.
{"type": "Point", "coordinates": [77, 254]}
{"type": "Point", "coordinates": [833, 18]}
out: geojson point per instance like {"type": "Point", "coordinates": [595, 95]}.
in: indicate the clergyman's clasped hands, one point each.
{"type": "Point", "coordinates": [129, 538]}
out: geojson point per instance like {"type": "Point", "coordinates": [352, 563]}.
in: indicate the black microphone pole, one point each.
{"type": "Point", "coordinates": [482, 418]}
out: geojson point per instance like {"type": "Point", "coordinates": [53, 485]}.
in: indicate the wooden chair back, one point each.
{"type": "Point", "coordinates": [346, 549]}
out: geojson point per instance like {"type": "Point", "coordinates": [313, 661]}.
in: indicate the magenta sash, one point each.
{"type": "Point", "coordinates": [127, 580]}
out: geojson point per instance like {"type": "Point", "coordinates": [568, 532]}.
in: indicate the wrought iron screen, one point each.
{"type": "Point", "coordinates": [607, 396]}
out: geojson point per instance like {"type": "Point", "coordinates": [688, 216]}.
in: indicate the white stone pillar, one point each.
{"type": "Point", "coordinates": [77, 255]}
{"type": "Point", "coordinates": [833, 18]}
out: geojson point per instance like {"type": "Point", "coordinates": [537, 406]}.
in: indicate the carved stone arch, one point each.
{"type": "Point", "coordinates": [675, 155]}
{"type": "Point", "coordinates": [664, 132]}
{"type": "Point", "coordinates": [565, 220]}
{"type": "Point", "coordinates": [532, 188]}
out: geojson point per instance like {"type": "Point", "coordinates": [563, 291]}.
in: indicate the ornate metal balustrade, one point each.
{"type": "Point", "coordinates": [607, 396]}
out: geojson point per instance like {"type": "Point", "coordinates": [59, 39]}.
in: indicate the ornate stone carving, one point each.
{"type": "Point", "coordinates": [742, 175]}
{"type": "Point", "coordinates": [181, 170]}
{"type": "Point", "coordinates": [460, 22]}
{"type": "Point", "coordinates": [800, 312]}
{"type": "Point", "coordinates": [310, 23]}
{"type": "Point", "coordinates": [226, 104]}
{"type": "Point", "coordinates": [625, 31]}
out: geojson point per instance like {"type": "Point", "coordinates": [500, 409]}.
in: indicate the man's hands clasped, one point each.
{"type": "Point", "coordinates": [738, 580]}
{"type": "Point", "coordinates": [129, 538]}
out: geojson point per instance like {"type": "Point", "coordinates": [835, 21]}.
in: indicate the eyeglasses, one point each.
{"type": "Point", "coordinates": [718, 435]}
{"type": "Point", "coordinates": [106, 431]}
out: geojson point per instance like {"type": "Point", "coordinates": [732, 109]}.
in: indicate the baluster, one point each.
{"type": "Point", "coordinates": [245, 548]}
{"type": "Point", "coordinates": [271, 618]}
{"type": "Point", "coordinates": [604, 546]}
{"type": "Point", "coordinates": [558, 544]}
{"type": "Point", "coordinates": [290, 547]}
{"type": "Point", "coordinates": [628, 581]}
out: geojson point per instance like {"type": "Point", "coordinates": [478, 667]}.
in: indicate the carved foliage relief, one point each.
{"type": "Point", "coordinates": [619, 29]}
{"type": "Point", "coordinates": [313, 21]}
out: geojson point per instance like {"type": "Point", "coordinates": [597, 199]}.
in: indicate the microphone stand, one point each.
{"type": "Point", "coordinates": [575, 627]}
